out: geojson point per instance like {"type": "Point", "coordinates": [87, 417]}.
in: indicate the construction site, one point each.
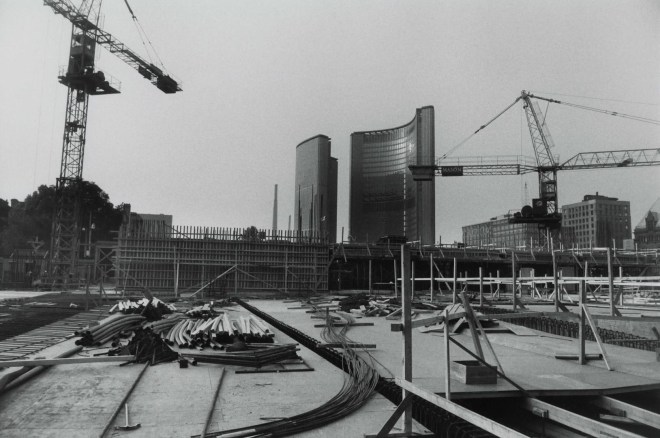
{"type": "Point", "coordinates": [199, 331]}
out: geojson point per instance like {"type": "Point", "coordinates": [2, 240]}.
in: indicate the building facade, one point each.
{"type": "Point", "coordinates": [647, 232]}
{"type": "Point", "coordinates": [384, 199]}
{"type": "Point", "coordinates": [597, 221]}
{"type": "Point", "coordinates": [499, 233]}
{"type": "Point", "coordinates": [316, 189]}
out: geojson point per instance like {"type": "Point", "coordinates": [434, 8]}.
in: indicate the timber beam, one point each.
{"type": "Point", "coordinates": [472, 417]}
{"type": "Point", "coordinates": [575, 421]}
{"type": "Point", "coordinates": [632, 412]}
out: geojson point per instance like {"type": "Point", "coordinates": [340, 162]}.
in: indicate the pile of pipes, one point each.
{"type": "Point", "coordinates": [164, 325]}
{"type": "Point", "coordinates": [146, 346]}
{"type": "Point", "coordinates": [153, 309]}
{"type": "Point", "coordinates": [215, 332]}
{"type": "Point", "coordinates": [251, 357]}
{"type": "Point", "coordinates": [110, 330]}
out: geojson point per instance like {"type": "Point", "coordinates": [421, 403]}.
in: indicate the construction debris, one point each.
{"type": "Point", "coordinates": [147, 347]}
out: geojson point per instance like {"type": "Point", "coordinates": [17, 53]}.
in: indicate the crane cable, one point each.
{"type": "Point", "coordinates": [599, 110]}
{"type": "Point", "coordinates": [480, 128]}
{"type": "Point", "coordinates": [143, 37]}
{"type": "Point", "coordinates": [549, 101]}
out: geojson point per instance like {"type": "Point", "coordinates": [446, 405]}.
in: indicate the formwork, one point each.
{"type": "Point", "coordinates": [219, 261]}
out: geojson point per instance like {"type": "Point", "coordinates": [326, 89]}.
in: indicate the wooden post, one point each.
{"type": "Point", "coordinates": [412, 277]}
{"type": "Point", "coordinates": [453, 297]}
{"type": "Point", "coordinates": [406, 308]}
{"type": "Point", "coordinates": [481, 287]}
{"type": "Point", "coordinates": [447, 357]}
{"type": "Point", "coordinates": [176, 275]}
{"type": "Point", "coordinates": [431, 270]}
{"type": "Point", "coordinates": [610, 281]}
{"type": "Point", "coordinates": [555, 281]}
{"type": "Point", "coordinates": [236, 273]}
{"type": "Point", "coordinates": [582, 326]}
{"type": "Point", "coordinates": [370, 288]}
{"type": "Point", "coordinates": [286, 271]}
{"type": "Point", "coordinates": [621, 287]}
{"type": "Point", "coordinates": [395, 281]}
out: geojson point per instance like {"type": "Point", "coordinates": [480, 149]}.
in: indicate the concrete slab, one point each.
{"type": "Point", "coordinates": [78, 400]}
{"type": "Point", "coordinates": [528, 360]}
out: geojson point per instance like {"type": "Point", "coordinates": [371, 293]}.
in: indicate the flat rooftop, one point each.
{"type": "Point", "coordinates": [78, 400]}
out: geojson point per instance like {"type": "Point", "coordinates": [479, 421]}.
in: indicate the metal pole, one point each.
{"type": "Point", "coordinates": [513, 279]}
{"type": "Point", "coordinates": [481, 287]}
{"type": "Point", "coordinates": [406, 307]}
{"type": "Point", "coordinates": [453, 297]}
{"type": "Point", "coordinates": [610, 280]}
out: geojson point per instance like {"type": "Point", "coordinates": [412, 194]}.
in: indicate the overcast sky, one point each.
{"type": "Point", "coordinates": [259, 77]}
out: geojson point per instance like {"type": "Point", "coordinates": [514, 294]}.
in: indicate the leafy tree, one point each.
{"type": "Point", "coordinates": [252, 234]}
{"type": "Point", "coordinates": [4, 214]}
{"type": "Point", "coordinates": [33, 217]}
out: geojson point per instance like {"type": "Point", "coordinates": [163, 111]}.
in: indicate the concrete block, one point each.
{"type": "Point", "coordinates": [472, 372]}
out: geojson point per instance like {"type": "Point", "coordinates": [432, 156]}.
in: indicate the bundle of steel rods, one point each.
{"type": "Point", "coordinates": [215, 332]}
{"type": "Point", "coordinates": [165, 324]}
{"type": "Point", "coordinates": [109, 330]}
{"type": "Point", "coordinates": [359, 383]}
{"type": "Point", "coordinates": [254, 356]}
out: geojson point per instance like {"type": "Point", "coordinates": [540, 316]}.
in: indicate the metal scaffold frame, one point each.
{"type": "Point", "coordinates": [223, 261]}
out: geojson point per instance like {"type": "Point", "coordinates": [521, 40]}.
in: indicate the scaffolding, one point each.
{"type": "Point", "coordinates": [219, 261]}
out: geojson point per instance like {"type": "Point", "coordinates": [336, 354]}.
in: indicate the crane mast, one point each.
{"type": "Point", "coordinates": [544, 210]}
{"type": "Point", "coordinates": [82, 81]}
{"type": "Point", "coordinates": [546, 164]}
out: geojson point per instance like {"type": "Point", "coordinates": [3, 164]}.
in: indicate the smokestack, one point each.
{"type": "Point", "coordinates": [275, 212]}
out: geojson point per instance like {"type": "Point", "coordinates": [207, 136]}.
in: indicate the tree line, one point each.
{"type": "Point", "coordinates": [32, 218]}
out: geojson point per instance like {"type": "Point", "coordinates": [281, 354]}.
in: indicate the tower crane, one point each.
{"type": "Point", "coordinates": [544, 210]}
{"type": "Point", "coordinates": [82, 81]}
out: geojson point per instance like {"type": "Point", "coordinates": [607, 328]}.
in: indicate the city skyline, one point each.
{"type": "Point", "coordinates": [258, 78]}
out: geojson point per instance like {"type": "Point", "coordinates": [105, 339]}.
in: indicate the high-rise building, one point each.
{"type": "Point", "coordinates": [647, 232]}
{"type": "Point", "coordinates": [499, 233]}
{"type": "Point", "coordinates": [316, 189]}
{"type": "Point", "coordinates": [384, 199]}
{"type": "Point", "coordinates": [597, 221]}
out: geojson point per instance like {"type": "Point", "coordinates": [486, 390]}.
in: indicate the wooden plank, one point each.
{"type": "Point", "coordinates": [470, 416]}
{"type": "Point", "coordinates": [389, 424]}
{"type": "Point", "coordinates": [632, 412]}
{"type": "Point", "coordinates": [575, 421]}
{"type": "Point", "coordinates": [594, 329]}
{"type": "Point", "coordinates": [64, 361]}
{"type": "Point", "coordinates": [471, 324]}
{"type": "Point", "coordinates": [354, 324]}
